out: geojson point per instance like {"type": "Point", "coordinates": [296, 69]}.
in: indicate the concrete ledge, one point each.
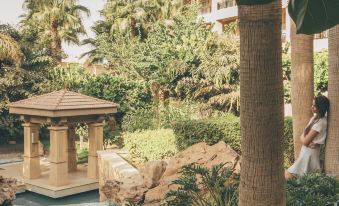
{"type": "Point", "coordinates": [62, 192]}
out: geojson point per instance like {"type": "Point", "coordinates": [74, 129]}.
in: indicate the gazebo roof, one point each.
{"type": "Point", "coordinates": [62, 103]}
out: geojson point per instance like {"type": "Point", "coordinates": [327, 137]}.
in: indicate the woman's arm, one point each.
{"type": "Point", "coordinates": [307, 139]}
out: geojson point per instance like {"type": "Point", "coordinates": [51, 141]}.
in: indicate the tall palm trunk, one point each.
{"type": "Point", "coordinates": [55, 43]}
{"type": "Point", "coordinates": [302, 83]}
{"type": "Point", "coordinates": [332, 143]}
{"type": "Point", "coordinates": [261, 105]}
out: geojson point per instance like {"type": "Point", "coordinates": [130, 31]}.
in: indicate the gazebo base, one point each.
{"type": "Point", "coordinates": [78, 181]}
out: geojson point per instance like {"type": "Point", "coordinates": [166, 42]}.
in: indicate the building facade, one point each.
{"type": "Point", "coordinates": [222, 12]}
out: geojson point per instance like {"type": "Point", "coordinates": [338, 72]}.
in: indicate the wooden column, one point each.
{"type": "Point", "coordinates": [95, 135]}
{"type": "Point", "coordinates": [71, 150]}
{"type": "Point", "coordinates": [31, 167]}
{"type": "Point", "coordinates": [58, 156]}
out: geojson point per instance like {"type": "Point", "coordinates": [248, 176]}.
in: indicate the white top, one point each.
{"type": "Point", "coordinates": [321, 127]}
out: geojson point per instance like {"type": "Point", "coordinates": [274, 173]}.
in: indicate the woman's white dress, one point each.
{"type": "Point", "coordinates": [308, 160]}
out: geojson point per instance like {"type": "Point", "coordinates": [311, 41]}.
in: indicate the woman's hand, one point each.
{"type": "Point", "coordinates": [307, 139]}
{"type": "Point", "coordinates": [313, 145]}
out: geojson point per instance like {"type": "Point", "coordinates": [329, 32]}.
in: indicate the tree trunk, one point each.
{"type": "Point", "coordinates": [332, 143]}
{"type": "Point", "coordinates": [261, 106]}
{"type": "Point", "coordinates": [302, 83]}
{"type": "Point", "coordinates": [55, 42]}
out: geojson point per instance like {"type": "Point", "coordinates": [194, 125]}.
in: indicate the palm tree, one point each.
{"type": "Point", "coordinates": [332, 143]}
{"type": "Point", "coordinates": [302, 83]}
{"type": "Point", "coordinates": [10, 50]}
{"type": "Point", "coordinates": [57, 20]}
{"type": "Point", "coordinates": [261, 103]}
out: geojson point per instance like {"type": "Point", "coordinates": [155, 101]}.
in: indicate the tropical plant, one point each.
{"type": "Point", "coordinates": [199, 186]}
{"type": "Point", "coordinates": [10, 50]}
{"type": "Point", "coordinates": [56, 21]}
{"type": "Point", "coordinates": [312, 190]}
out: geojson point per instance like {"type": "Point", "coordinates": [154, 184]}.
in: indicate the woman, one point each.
{"type": "Point", "coordinates": [313, 136]}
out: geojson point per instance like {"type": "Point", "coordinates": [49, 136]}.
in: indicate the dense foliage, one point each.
{"type": "Point", "coordinates": [219, 187]}
{"type": "Point", "coordinates": [182, 54]}
{"type": "Point", "coordinates": [312, 190]}
{"type": "Point", "coordinates": [199, 186]}
{"type": "Point", "coordinates": [129, 94]}
{"type": "Point", "coordinates": [150, 145]}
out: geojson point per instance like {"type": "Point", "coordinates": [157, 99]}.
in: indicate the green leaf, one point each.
{"type": "Point", "coordinates": [253, 2]}
{"type": "Point", "coordinates": [314, 16]}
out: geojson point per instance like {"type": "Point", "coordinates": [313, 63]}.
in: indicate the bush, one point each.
{"type": "Point", "coordinates": [150, 145]}
{"type": "Point", "coordinates": [217, 186]}
{"type": "Point", "coordinates": [288, 142]}
{"type": "Point", "coordinates": [312, 190]}
{"type": "Point", "coordinates": [225, 128]}
{"type": "Point", "coordinates": [210, 131]}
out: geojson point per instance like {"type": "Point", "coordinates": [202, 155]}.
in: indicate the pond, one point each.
{"type": "Point", "coordinates": [33, 199]}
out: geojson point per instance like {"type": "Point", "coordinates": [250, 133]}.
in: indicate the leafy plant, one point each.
{"type": "Point", "coordinates": [312, 190]}
{"type": "Point", "coordinates": [199, 186]}
{"type": "Point", "coordinates": [150, 145]}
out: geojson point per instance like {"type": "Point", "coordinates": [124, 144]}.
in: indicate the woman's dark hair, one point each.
{"type": "Point", "coordinates": [322, 104]}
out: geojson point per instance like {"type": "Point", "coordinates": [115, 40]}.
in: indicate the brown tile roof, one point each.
{"type": "Point", "coordinates": [56, 102]}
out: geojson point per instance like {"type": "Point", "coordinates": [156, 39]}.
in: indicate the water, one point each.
{"type": "Point", "coordinates": [33, 199]}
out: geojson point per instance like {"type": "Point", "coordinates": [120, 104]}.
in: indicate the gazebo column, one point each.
{"type": "Point", "coordinates": [58, 175]}
{"type": "Point", "coordinates": [71, 150]}
{"type": "Point", "coordinates": [31, 168]}
{"type": "Point", "coordinates": [95, 139]}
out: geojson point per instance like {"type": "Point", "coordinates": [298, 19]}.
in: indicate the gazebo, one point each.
{"type": "Point", "coordinates": [61, 110]}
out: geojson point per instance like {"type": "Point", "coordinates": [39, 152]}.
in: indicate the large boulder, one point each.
{"type": "Point", "coordinates": [201, 154]}
{"type": "Point", "coordinates": [152, 172]}
{"type": "Point", "coordinates": [8, 189]}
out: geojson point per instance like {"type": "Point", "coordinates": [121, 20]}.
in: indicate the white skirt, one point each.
{"type": "Point", "coordinates": [308, 161]}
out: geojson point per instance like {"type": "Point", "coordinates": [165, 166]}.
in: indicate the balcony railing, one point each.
{"type": "Point", "coordinates": [222, 4]}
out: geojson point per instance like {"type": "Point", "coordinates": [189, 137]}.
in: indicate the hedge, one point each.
{"type": "Point", "coordinates": [225, 128]}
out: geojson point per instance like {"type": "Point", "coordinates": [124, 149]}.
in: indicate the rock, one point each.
{"type": "Point", "coordinates": [201, 154]}
{"type": "Point", "coordinates": [152, 172]}
{"type": "Point", "coordinates": [8, 189]}
{"type": "Point", "coordinates": [119, 182]}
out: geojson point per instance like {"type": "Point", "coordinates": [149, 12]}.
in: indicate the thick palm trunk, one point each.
{"type": "Point", "coordinates": [332, 143]}
{"type": "Point", "coordinates": [55, 42]}
{"type": "Point", "coordinates": [302, 83]}
{"type": "Point", "coordinates": [261, 105]}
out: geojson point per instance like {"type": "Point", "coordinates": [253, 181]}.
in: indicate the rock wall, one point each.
{"type": "Point", "coordinates": [119, 182]}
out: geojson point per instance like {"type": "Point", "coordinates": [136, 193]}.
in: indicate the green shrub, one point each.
{"type": "Point", "coordinates": [82, 156]}
{"type": "Point", "coordinates": [201, 186]}
{"type": "Point", "coordinates": [312, 190]}
{"type": "Point", "coordinates": [150, 144]}
{"type": "Point", "coordinates": [210, 131]}
{"type": "Point", "coordinates": [225, 128]}
{"type": "Point", "coordinates": [288, 142]}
